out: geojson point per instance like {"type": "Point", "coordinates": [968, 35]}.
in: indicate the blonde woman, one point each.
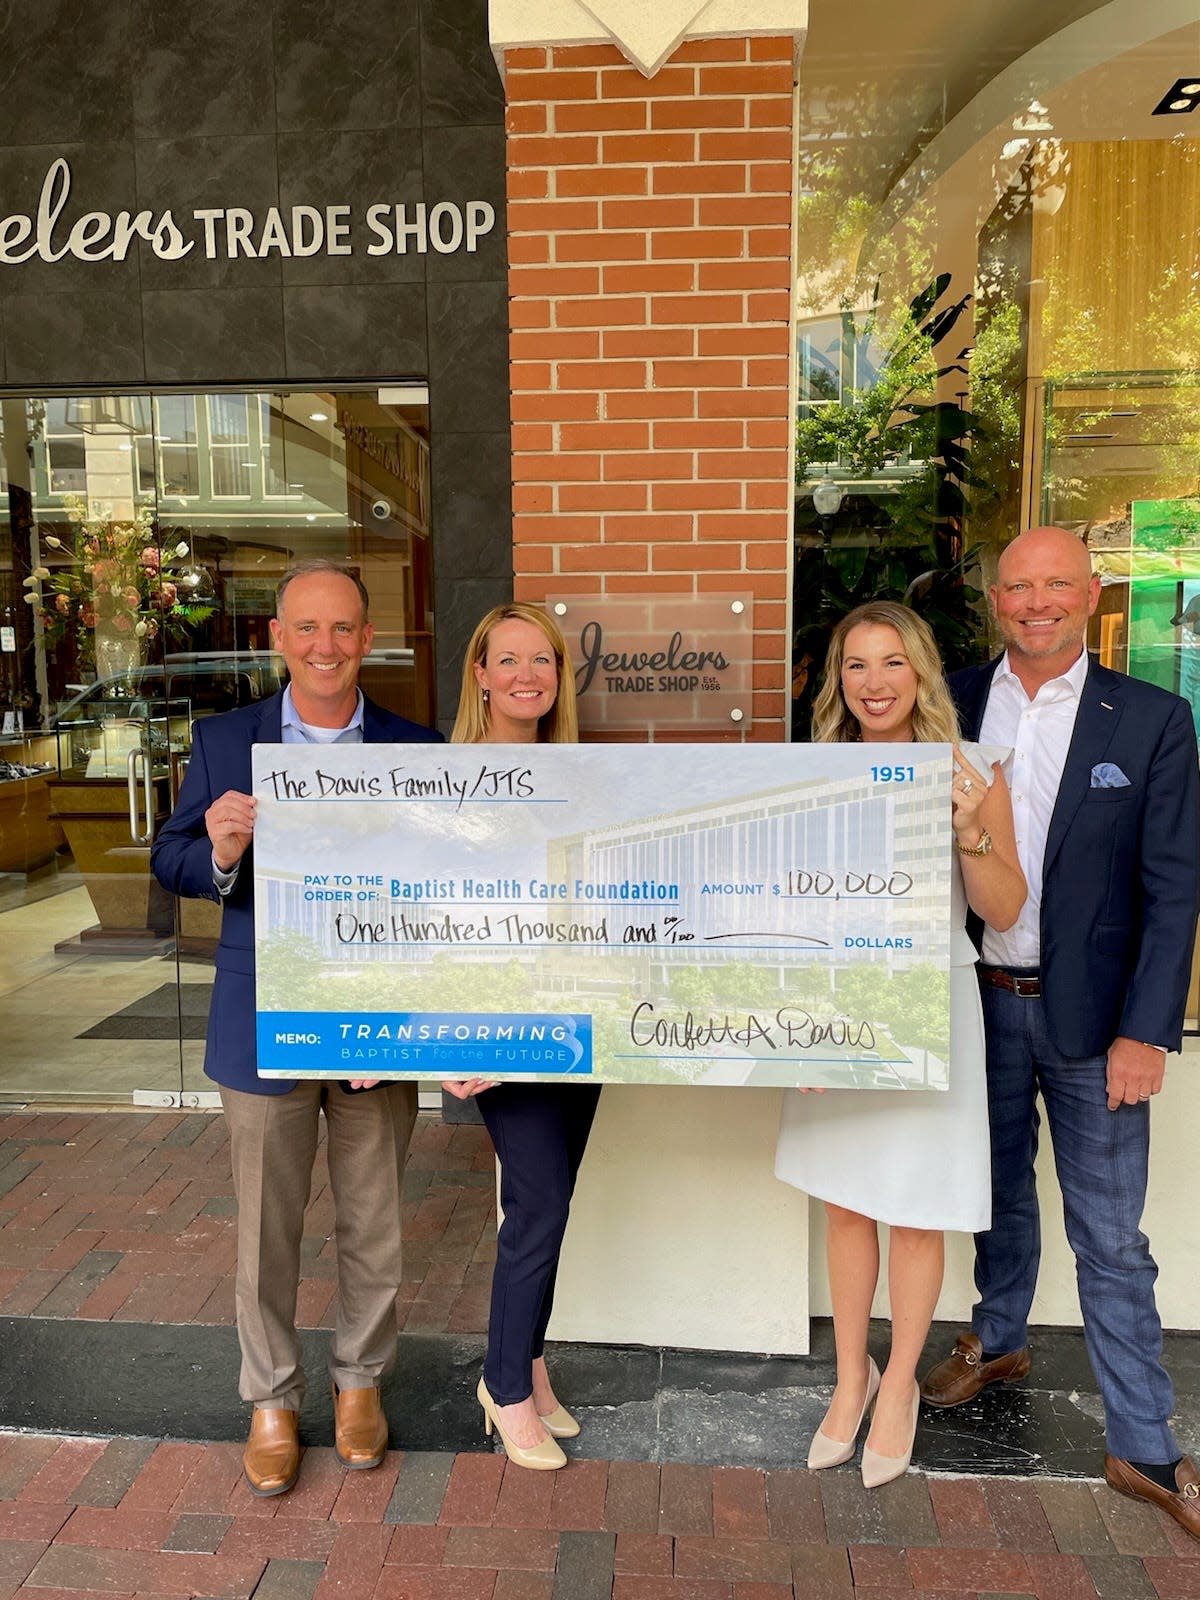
{"type": "Point", "coordinates": [518, 687]}
{"type": "Point", "coordinates": [919, 1162]}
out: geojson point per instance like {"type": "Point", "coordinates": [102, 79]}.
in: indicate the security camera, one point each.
{"type": "Point", "coordinates": [381, 509]}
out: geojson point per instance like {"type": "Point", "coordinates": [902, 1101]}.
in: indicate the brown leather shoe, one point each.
{"type": "Point", "coordinates": [271, 1459]}
{"type": "Point", "coordinates": [360, 1427]}
{"type": "Point", "coordinates": [962, 1375]}
{"type": "Point", "coordinates": [1184, 1506]}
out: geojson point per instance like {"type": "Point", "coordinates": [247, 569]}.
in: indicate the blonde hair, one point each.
{"type": "Point", "coordinates": [473, 724]}
{"type": "Point", "coordinates": [934, 719]}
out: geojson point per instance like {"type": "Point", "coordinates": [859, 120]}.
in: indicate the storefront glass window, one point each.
{"type": "Point", "coordinates": [997, 320]}
{"type": "Point", "coordinates": [141, 540]}
{"type": "Point", "coordinates": [998, 253]}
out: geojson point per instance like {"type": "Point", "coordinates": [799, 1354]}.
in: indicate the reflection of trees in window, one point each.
{"type": "Point", "coordinates": [1086, 298]}
{"type": "Point", "coordinates": [927, 443]}
{"type": "Point", "coordinates": [884, 348]}
{"type": "Point", "coordinates": [907, 455]}
{"type": "Point", "coordinates": [854, 140]}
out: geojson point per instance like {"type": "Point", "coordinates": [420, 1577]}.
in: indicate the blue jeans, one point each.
{"type": "Point", "coordinates": [1102, 1158]}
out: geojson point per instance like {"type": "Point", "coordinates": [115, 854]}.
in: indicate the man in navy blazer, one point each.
{"type": "Point", "coordinates": [322, 630]}
{"type": "Point", "coordinates": [1083, 997]}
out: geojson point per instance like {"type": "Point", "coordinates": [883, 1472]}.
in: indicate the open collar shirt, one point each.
{"type": "Point", "coordinates": [1038, 733]}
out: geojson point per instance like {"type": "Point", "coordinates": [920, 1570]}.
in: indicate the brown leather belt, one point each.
{"type": "Point", "coordinates": [1025, 986]}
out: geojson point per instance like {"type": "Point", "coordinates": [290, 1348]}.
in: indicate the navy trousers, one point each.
{"type": "Point", "coordinates": [1102, 1160]}
{"type": "Point", "coordinates": [540, 1131]}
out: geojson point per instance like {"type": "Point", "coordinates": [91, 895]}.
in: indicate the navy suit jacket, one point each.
{"type": "Point", "coordinates": [1121, 874]}
{"type": "Point", "coordinates": [181, 859]}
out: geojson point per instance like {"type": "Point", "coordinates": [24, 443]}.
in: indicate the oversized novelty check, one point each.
{"type": "Point", "coordinates": [717, 914]}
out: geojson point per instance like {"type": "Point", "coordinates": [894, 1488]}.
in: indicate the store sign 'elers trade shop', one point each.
{"type": "Point", "coordinates": [232, 231]}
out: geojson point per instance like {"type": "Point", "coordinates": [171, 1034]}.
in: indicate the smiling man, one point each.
{"type": "Point", "coordinates": [322, 631]}
{"type": "Point", "coordinates": [1082, 997]}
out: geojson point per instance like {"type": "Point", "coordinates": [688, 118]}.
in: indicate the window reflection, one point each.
{"type": "Point", "coordinates": [998, 250]}
{"type": "Point", "coordinates": [165, 522]}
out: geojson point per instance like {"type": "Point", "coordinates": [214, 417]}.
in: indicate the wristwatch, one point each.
{"type": "Point", "coordinates": [983, 848]}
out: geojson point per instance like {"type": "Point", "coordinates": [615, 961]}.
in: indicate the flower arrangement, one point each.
{"type": "Point", "coordinates": [116, 583]}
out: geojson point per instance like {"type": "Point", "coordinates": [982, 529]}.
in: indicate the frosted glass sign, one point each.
{"type": "Point", "coordinates": [656, 661]}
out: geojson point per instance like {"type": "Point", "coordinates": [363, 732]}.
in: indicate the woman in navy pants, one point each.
{"type": "Point", "coordinates": [519, 688]}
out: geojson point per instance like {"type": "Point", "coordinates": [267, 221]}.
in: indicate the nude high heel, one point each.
{"type": "Point", "coordinates": [877, 1469]}
{"type": "Point", "coordinates": [828, 1452]}
{"type": "Point", "coordinates": [546, 1456]}
{"type": "Point", "coordinates": [560, 1424]}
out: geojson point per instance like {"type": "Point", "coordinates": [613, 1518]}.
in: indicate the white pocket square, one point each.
{"type": "Point", "coordinates": [1108, 776]}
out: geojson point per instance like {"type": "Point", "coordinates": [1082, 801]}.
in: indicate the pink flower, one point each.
{"type": "Point", "coordinates": [87, 615]}
{"type": "Point", "coordinates": [123, 622]}
{"type": "Point", "coordinates": [62, 604]}
{"type": "Point", "coordinates": [169, 594]}
{"type": "Point", "coordinates": [133, 598]}
{"type": "Point", "coordinates": [101, 570]}
{"type": "Point", "coordinates": [150, 558]}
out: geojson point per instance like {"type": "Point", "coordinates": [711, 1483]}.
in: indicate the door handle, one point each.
{"type": "Point", "coordinates": [148, 793]}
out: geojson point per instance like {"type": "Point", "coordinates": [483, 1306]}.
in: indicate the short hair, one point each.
{"type": "Point", "coordinates": [560, 725]}
{"type": "Point", "coordinates": [307, 569]}
{"type": "Point", "coordinates": [934, 719]}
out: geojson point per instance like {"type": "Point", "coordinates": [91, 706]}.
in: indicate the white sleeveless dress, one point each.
{"type": "Point", "coordinates": [913, 1158]}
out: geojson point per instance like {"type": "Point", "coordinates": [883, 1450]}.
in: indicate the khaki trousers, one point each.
{"type": "Point", "coordinates": [273, 1142]}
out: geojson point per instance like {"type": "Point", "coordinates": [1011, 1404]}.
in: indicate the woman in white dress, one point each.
{"type": "Point", "coordinates": [917, 1161]}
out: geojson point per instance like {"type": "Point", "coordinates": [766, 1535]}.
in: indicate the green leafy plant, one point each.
{"type": "Point", "coordinates": [900, 538]}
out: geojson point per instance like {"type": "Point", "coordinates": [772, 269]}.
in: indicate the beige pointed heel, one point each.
{"type": "Point", "coordinates": [560, 1424]}
{"type": "Point", "coordinates": [877, 1469]}
{"type": "Point", "coordinates": [827, 1452]}
{"type": "Point", "coordinates": [546, 1456]}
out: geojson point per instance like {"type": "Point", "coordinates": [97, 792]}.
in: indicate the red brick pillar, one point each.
{"type": "Point", "coordinates": [650, 283]}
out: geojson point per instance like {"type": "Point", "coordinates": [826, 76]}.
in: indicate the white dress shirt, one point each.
{"type": "Point", "coordinates": [1038, 732]}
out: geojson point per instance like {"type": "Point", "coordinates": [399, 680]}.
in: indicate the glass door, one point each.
{"type": "Point", "coordinates": [86, 935]}
{"type": "Point", "coordinates": [141, 540]}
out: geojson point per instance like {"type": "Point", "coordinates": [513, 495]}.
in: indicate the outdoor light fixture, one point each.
{"type": "Point", "coordinates": [1183, 96]}
{"type": "Point", "coordinates": [827, 497]}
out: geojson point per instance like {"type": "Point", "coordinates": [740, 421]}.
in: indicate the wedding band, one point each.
{"type": "Point", "coordinates": [1143, 1097]}
{"type": "Point", "coordinates": [966, 785]}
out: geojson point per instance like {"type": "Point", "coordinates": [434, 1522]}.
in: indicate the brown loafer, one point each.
{"type": "Point", "coordinates": [964, 1373]}
{"type": "Point", "coordinates": [1184, 1505]}
{"type": "Point", "coordinates": [360, 1427]}
{"type": "Point", "coordinates": [271, 1459]}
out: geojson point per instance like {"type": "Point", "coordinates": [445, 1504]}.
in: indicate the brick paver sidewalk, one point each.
{"type": "Point", "coordinates": [129, 1216]}
{"type": "Point", "coordinates": [131, 1517]}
